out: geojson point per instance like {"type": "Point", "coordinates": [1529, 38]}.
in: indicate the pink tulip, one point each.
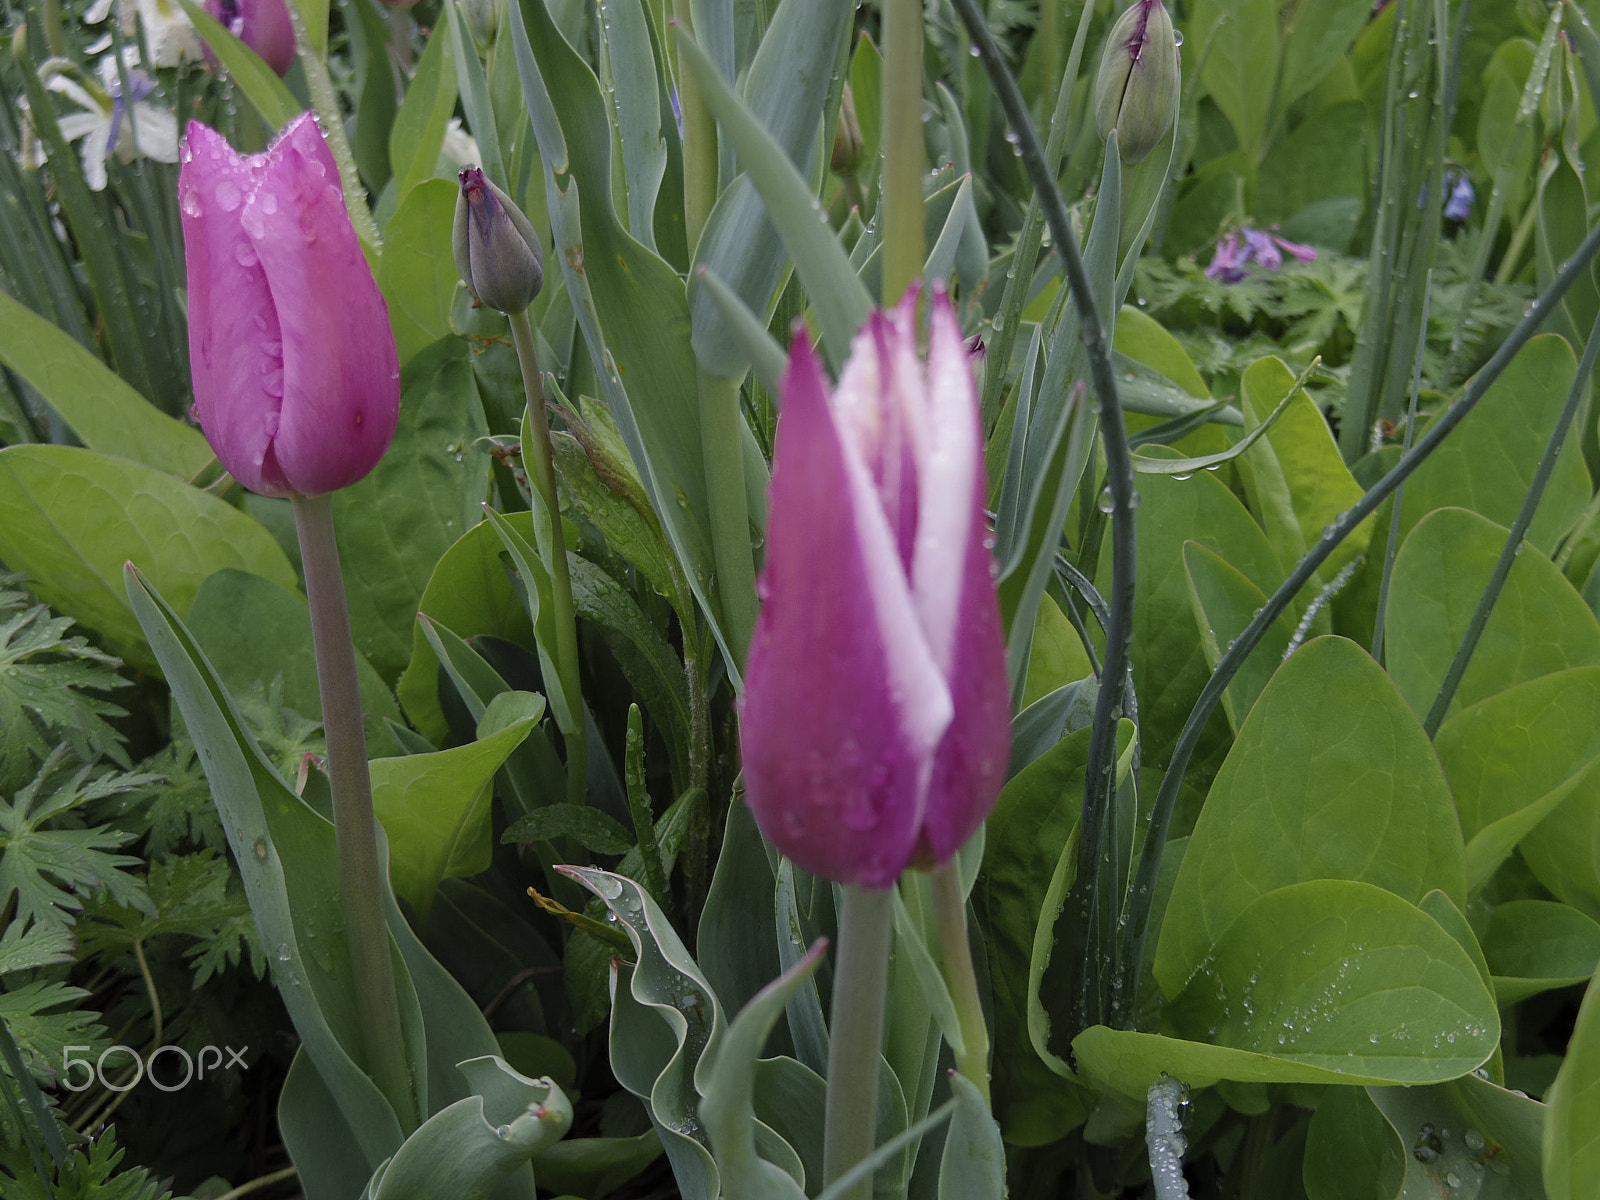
{"type": "Point", "coordinates": [263, 25]}
{"type": "Point", "coordinates": [296, 379]}
{"type": "Point", "coordinates": [875, 724]}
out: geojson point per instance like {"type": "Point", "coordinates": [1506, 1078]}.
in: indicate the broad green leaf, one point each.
{"type": "Point", "coordinates": [1056, 657]}
{"type": "Point", "coordinates": [665, 1019]}
{"type": "Point", "coordinates": [397, 522]}
{"type": "Point", "coordinates": [1324, 158]}
{"type": "Point", "coordinates": [1540, 624]}
{"type": "Point", "coordinates": [1487, 464]}
{"type": "Point", "coordinates": [469, 594]}
{"type": "Point", "coordinates": [1300, 457]}
{"type": "Point", "coordinates": [1331, 777]}
{"type": "Point", "coordinates": [471, 1147]}
{"type": "Point", "coordinates": [973, 1165]}
{"type": "Point", "coordinates": [279, 643]}
{"type": "Point", "coordinates": [1536, 945]}
{"type": "Point", "coordinates": [840, 299]}
{"type": "Point", "coordinates": [735, 942]}
{"type": "Point", "coordinates": [728, 1107]}
{"type": "Point", "coordinates": [1343, 977]}
{"type": "Point", "coordinates": [71, 518]}
{"type": "Point", "coordinates": [103, 410]}
{"type": "Point", "coordinates": [1466, 1136]}
{"type": "Point", "coordinates": [1572, 1127]}
{"type": "Point", "coordinates": [1142, 338]}
{"type": "Point", "coordinates": [1351, 1151]}
{"type": "Point", "coordinates": [1516, 757]}
{"type": "Point", "coordinates": [267, 93]}
{"type": "Point", "coordinates": [1224, 603]}
{"type": "Point", "coordinates": [1024, 838]}
{"type": "Point", "coordinates": [419, 126]}
{"type": "Point", "coordinates": [1559, 227]}
{"type": "Point", "coordinates": [1318, 35]}
{"type": "Point", "coordinates": [1169, 664]}
{"type": "Point", "coordinates": [417, 273]}
{"type": "Point", "coordinates": [594, 1166]}
{"type": "Point", "coordinates": [1238, 52]}
{"type": "Point", "coordinates": [435, 809]}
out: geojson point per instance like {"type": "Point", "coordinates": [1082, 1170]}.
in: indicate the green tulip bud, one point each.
{"type": "Point", "coordinates": [483, 19]}
{"type": "Point", "coordinates": [1559, 101]}
{"type": "Point", "coordinates": [1137, 90]}
{"type": "Point", "coordinates": [496, 250]}
{"type": "Point", "coordinates": [847, 141]}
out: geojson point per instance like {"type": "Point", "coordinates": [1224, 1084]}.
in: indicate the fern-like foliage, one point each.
{"type": "Point", "coordinates": [46, 683]}
{"type": "Point", "coordinates": [89, 1174]}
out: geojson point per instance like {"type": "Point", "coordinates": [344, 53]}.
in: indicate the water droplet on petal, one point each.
{"type": "Point", "coordinates": [228, 195]}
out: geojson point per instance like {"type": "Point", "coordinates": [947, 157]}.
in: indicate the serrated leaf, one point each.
{"type": "Point", "coordinates": [589, 827]}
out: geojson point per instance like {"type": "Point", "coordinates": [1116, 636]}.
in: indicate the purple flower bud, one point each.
{"type": "Point", "coordinates": [1136, 91]}
{"type": "Point", "coordinates": [1304, 254]}
{"type": "Point", "coordinates": [1260, 247]}
{"type": "Point", "coordinates": [296, 380]}
{"type": "Point", "coordinates": [875, 725]}
{"type": "Point", "coordinates": [1226, 262]}
{"type": "Point", "coordinates": [1459, 205]}
{"type": "Point", "coordinates": [263, 25]}
{"type": "Point", "coordinates": [497, 251]}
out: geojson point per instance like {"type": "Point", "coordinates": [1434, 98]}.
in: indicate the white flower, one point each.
{"type": "Point", "coordinates": [168, 32]}
{"type": "Point", "coordinates": [459, 149]}
{"type": "Point", "coordinates": [108, 123]}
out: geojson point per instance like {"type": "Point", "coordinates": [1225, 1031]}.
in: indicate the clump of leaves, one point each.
{"type": "Point", "coordinates": [47, 685]}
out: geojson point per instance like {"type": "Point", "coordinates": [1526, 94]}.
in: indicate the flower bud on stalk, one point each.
{"type": "Point", "coordinates": [847, 140]}
{"type": "Point", "coordinates": [876, 725]}
{"type": "Point", "coordinates": [497, 251]}
{"type": "Point", "coordinates": [1137, 90]}
{"type": "Point", "coordinates": [296, 378]}
{"type": "Point", "coordinates": [263, 25]}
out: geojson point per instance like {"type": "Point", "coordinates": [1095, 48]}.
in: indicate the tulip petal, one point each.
{"type": "Point", "coordinates": [878, 406]}
{"type": "Point", "coordinates": [232, 321]}
{"type": "Point", "coordinates": [340, 372]}
{"type": "Point", "coordinates": [843, 704]}
{"type": "Point", "coordinates": [953, 587]}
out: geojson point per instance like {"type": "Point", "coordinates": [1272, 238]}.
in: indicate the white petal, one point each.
{"type": "Point", "coordinates": [94, 156]}
{"type": "Point", "coordinates": [157, 130]}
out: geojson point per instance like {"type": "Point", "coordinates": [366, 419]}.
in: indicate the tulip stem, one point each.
{"type": "Point", "coordinates": [539, 458]}
{"type": "Point", "coordinates": [860, 982]}
{"type": "Point", "coordinates": [904, 241]}
{"type": "Point", "coordinates": [950, 913]}
{"type": "Point", "coordinates": [721, 424]}
{"type": "Point", "coordinates": [361, 881]}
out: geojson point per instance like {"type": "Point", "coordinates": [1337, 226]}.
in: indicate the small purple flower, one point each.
{"type": "Point", "coordinates": [1226, 262]}
{"type": "Point", "coordinates": [1245, 245]}
{"type": "Point", "coordinates": [1462, 195]}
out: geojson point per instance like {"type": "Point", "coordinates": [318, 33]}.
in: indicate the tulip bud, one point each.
{"type": "Point", "coordinates": [483, 20]}
{"type": "Point", "coordinates": [296, 379]}
{"type": "Point", "coordinates": [1137, 90]}
{"type": "Point", "coordinates": [875, 723]}
{"type": "Point", "coordinates": [497, 251]}
{"type": "Point", "coordinates": [847, 142]}
{"type": "Point", "coordinates": [263, 25]}
{"type": "Point", "coordinates": [1560, 97]}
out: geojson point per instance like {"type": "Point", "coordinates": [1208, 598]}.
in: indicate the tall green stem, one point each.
{"type": "Point", "coordinates": [720, 426]}
{"type": "Point", "coordinates": [542, 471]}
{"type": "Point", "coordinates": [400, 36]}
{"type": "Point", "coordinates": [860, 977]}
{"type": "Point", "coordinates": [950, 912]}
{"type": "Point", "coordinates": [904, 243]}
{"type": "Point", "coordinates": [699, 145]}
{"type": "Point", "coordinates": [361, 881]}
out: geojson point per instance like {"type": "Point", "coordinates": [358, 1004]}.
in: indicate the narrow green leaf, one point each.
{"type": "Point", "coordinates": [589, 827]}
{"type": "Point", "coordinates": [105, 413]}
{"type": "Point", "coordinates": [417, 273]}
{"type": "Point", "coordinates": [1572, 1127]}
{"type": "Point", "coordinates": [267, 93]}
{"type": "Point", "coordinates": [419, 126]}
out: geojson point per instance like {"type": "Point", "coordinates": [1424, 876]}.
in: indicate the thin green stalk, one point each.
{"type": "Point", "coordinates": [361, 881]}
{"type": "Point", "coordinates": [904, 241]}
{"type": "Point", "coordinates": [1393, 546]}
{"type": "Point", "coordinates": [1519, 530]}
{"type": "Point", "coordinates": [699, 145]}
{"type": "Point", "coordinates": [644, 828]}
{"type": "Point", "coordinates": [326, 101]}
{"type": "Point", "coordinates": [860, 979]}
{"type": "Point", "coordinates": [1143, 893]}
{"type": "Point", "coordinates": [542, 473]}
{"type": "Point", "coordinates": [1519, 242]}
{"type": "Point", "coordinates": [259, 1182]}
{"type": "Point", "coordinates": [720, 424]}
{"type": "Point", "coordinates": [1100, 773]}
{"type": "Point", "coordinates": [950, 914]}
